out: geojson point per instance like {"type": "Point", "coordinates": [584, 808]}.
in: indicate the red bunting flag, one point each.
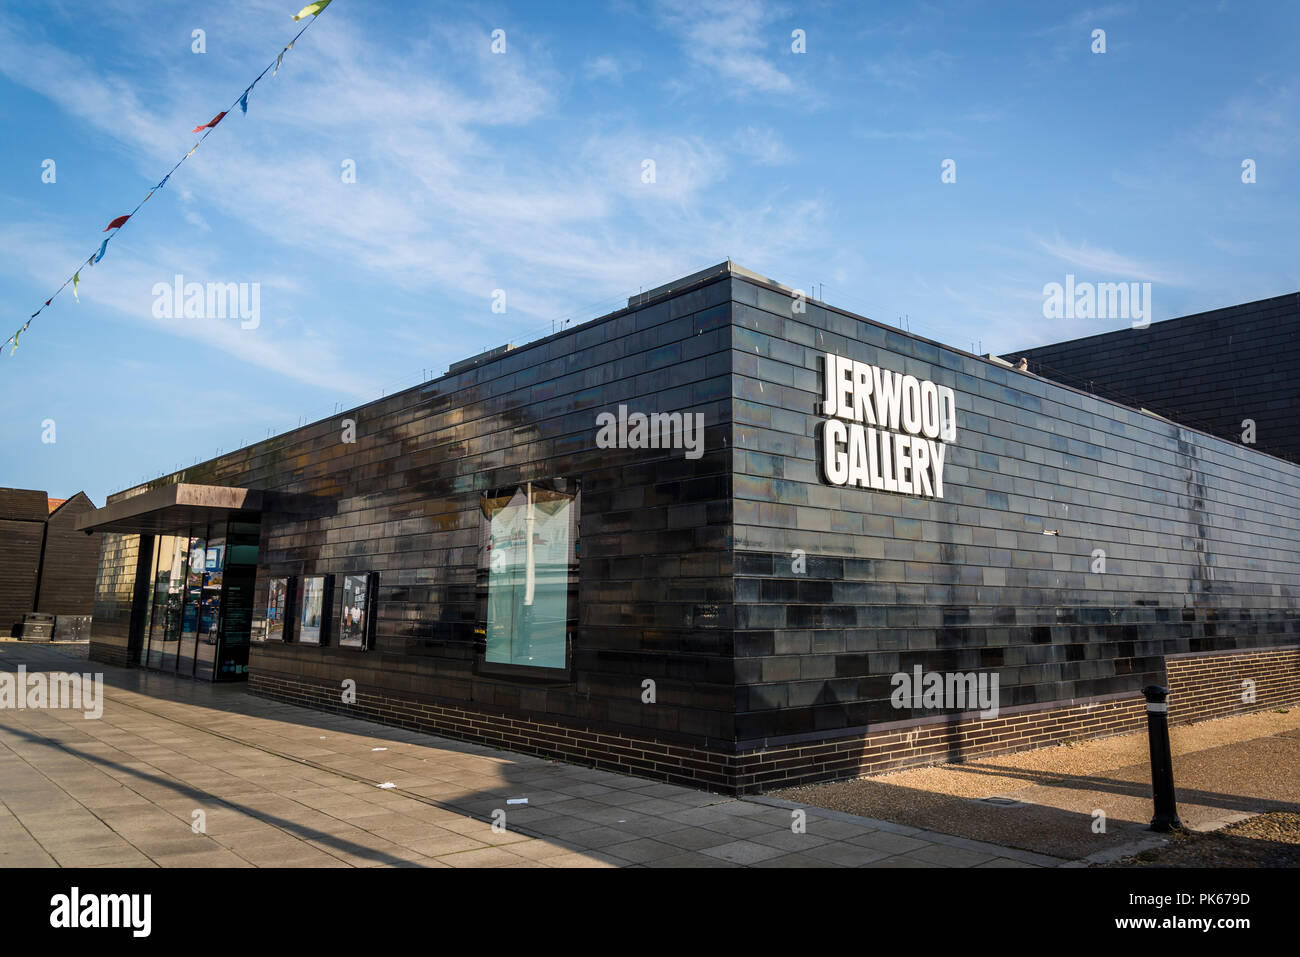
{"type": "Point", "coordinates": [211, 123]}
{"type": "Point", "coordinates": [117, 223]}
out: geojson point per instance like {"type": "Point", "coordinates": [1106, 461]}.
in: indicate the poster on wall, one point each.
{"type": "Point", "coordinates": [277, 606]}
{"type": "Point", "coordinates": [354, 615]}
{"type": "Point", "coordinates": [311, 618]}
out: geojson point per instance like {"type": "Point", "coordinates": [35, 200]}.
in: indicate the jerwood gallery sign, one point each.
{"type": "Point", "coordinates": [885, 431]}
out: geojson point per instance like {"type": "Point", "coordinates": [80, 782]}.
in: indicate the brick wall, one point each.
{"type": "Point", "coordinates": [1202, 687]}
{"type": "Point", "coordinates": [1211, 686]}
{"type": "Point", "coordinates": [591, 747]}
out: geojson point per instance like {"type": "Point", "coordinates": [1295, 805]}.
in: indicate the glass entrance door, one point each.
{"type": "Point", "coordinates": [193, 598]}
{"type": "Point", "coordinates": [209, 638]}
{"type": "Point", "coordinates": [201, 601]}
{"type": "Point", "coordinates": [169, 584]}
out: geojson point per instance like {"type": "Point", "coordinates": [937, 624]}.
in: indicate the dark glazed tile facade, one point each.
{"type": "Point", "coordinates": [685, 570]}
{"type": "Point", "coordinates": [403, 501]}
{"type": "Point", "coordinates": [1201, 538]}
{"type": "Point", "coordinates": [1212, 370]}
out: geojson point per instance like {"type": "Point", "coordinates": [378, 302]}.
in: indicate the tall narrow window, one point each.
{"type": "Point", "coordinates": [528, 574]}
{"type": "Point", "coordinates": [313, 603]}
{"type": "Point", "coordinates": [278, 625]}
{"type": "Point", "coordinates": [355, 615]}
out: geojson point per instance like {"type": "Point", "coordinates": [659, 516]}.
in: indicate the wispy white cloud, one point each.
{"type": "Point", "coordinates": [1230, 246]}
{"type": "Point", "coordinates": [763, 145]}
{"type": "Point", "coordinates": [1104, 262]}
{"type": "Point", "coordinates": [1264, 122]}
{"type": "Point", "coordinates": [609, 68]}
{"type": "Point", "coordinates": [731, 39]}
{"type": "Point", "coordinates": [908, 71]}
{"type": "Point", "coordinates": [458, 190]}
{"type": "Point", "coordinates": [908, 135]}
{"type": "Point", "coordinates": [124, 286]}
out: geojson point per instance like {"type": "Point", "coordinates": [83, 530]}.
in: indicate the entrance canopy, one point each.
{"type": "Point", "coordinates": [173, 509]}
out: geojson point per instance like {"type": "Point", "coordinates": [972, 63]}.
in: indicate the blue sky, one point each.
{"type": "Point", "coordinates": [522, 171]}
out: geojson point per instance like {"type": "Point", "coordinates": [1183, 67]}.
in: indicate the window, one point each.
{"type": "Point", "coordinates": [528, 575]}
{"type": "Point", "coordinates": [277, 609]}
{"type": "Point", "coordinates": [313, 604]}
{"type": "Point", "coordinates": [355, 614]}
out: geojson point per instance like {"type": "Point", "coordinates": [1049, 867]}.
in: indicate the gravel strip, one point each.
{"type": "Point", "coordinates": [1085, 799]}
{"type": "Point", "coordinates": [1268, 840]}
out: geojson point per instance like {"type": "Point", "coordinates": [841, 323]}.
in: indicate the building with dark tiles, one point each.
{"type": "Point", "coordinates": [48, 567]}
{"type": "Point", "coordinates": [1229, 371]}
{"type": "Point", "coordinates": [724, 536]}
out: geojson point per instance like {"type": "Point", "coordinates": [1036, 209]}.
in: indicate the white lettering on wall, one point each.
{"type": "Point", "coordinates": [884, 430]}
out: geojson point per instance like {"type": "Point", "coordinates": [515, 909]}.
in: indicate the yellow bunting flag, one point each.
{"type": "Point", "coordinates": [311, 9]}
{"type": "Point", "coordinates": [76, 279]}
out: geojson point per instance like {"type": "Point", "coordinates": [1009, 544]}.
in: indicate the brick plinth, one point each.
{"type": "Point", "coordinates": [1202, 686]}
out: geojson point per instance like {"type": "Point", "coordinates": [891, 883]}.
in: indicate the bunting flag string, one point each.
{"type": "Point", "coordinates": [211, 124]}
{"type": "Point", "coordinates": [114, 228]}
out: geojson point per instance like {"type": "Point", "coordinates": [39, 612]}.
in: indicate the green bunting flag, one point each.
{"type": "Point", "coordinates": [312, 9]}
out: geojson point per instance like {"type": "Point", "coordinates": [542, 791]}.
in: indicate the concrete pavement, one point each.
{"type": "Point", "coordinates": [178, 773]}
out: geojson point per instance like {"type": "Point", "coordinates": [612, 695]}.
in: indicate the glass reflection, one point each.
{"type": "Point", "coordinates": [213, 582]}
{"type": "Point", "coordinates": [531, 534]}
{"type": "Point", "coordinates": [193, 599]}
{"type": "Point", "coordinates": [169, 585]}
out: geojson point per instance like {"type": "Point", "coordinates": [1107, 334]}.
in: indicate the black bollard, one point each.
{"type": "Point", "coordinates": [1162, 766]}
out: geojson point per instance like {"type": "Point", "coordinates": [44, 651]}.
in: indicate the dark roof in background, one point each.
{"type": "Point", "coordinates": [1210, 370]}
{"type": "Point", "coordinates": [70, 504]}
{"type": "Point", "coordinates": [24, 504]}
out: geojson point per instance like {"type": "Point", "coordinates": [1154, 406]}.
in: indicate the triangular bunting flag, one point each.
{"type": "Point", "coordinates": [312, 9]}
{"type": "Point", "coordinates": [281, 58]}
{"type": "Point", "coordinates": [212, 123]}
{"type": "Point", "coordinates": [309, 12]}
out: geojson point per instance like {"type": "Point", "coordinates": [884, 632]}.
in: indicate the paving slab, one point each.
{"type": "Point", "coordinates": [281, 786]}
